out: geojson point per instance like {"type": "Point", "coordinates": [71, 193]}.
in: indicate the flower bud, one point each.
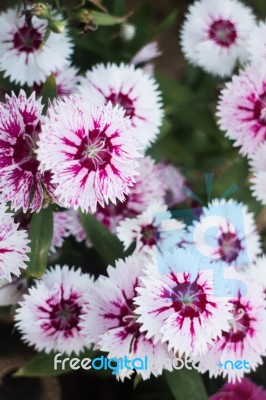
{"type": "Point", "coordinates": [127, 32]}
{"type": "Point", "coordinates": [41, 10]}
{"type": "Point", "coordinates": [84, 16]}
{"type": "Point", "coordinates": [57, 26]}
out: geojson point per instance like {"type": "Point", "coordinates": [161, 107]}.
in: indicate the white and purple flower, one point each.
{"type": "Point", "coordinates": [13, 246]}
{"type": "Point", "coordinates": [174, 182]}
{"type": "Point", "coordinates": [131, 89]}
{"type": "Point", "coordinates": [153, 229]}
{"type": "Point", "coordinates": [149, 185]}
{"type": "Point", "coordinates": [24, 56]}
{"type": "Point", "coordinates": [215, 34]}
{"type": "Point", "coordinates": [92, 151]}
{"type": "Point", "coordinates": [49, 316]}
{"type": "Point", "coordinates": [179, 304]}
{"type": "Point", "coordinates": [111, 324]}
{"type": "Point", "coordinates": [242, 108]}
{"type": "Point", "coordinates": [257, 44]}
{"type": "Point", "coordinates": [258, 168]}
{"type": "Point", "coordinates": [245, 340]}
{"type": "Point", "coordinates": [21, 182]}
{"type": "Point", "coordinates": [225, 232]}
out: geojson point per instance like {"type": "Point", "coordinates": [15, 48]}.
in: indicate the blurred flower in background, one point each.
{"type": "Point", "coordinates": [26, 55]}
{"type": "Point", "coordinates": [214, 35]}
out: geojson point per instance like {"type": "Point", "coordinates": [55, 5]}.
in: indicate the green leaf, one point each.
{"type": "Point", "coordinates": [191, 110]}
{"type": "Point", "coordinates": [40, 234]}
{"type": "Point", "coordinates": [167, 147]}
{"type": "Point", "coordinates": [107, 19]}
{"type": "Point", "coordinates": [186, 385]}
{"type": "Point", "coordinates": [107, 245]}
{"type": "Point", "coordinates": [178, 96]}
{"type": "Point", "coordinates": [49, 91]}
{"type": "Point", "coordinates": [165, 128]}
{"type": "Point", "coordinates": [118, 6]}
{"type": "Point", "coordinates": [99, 4]}
{"type": "Point", "coordinates": [43, 364]}
{"type": "Point", "coordinates": [93, 46]}
{"type": "Point", "coordinates": [167, 23]}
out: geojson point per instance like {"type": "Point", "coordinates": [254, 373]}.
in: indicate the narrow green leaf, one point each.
{"type": "Point", "coordinates": [118, 7]}
{"type": "Point", "coordinates": [107, 245]}
{"type": "Point", "coordinates": [99, 4]}
{"type": "Point", "coordinates": [107, 19]}
{"type": "Point", "coordinates": [49, 91]}
{"type": "Point", "coordinates": [186, 384]}
{"type": "Point", "coordinates": [167, 23]}
{"type": "Point", "coordinates": [40, 234]}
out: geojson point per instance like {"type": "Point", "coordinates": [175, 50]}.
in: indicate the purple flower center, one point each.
{"type": "Point", "coordinates": [27, 39]}
{"type": "Point", "coordinates": [259, 111]}
{"type": "Point", "coordinates": [125, 314]}
{"type": "Point", "coordinates": [223, 32]}
{"type": "Point", "coordinates": [149, 235]}
{"type": "Point", "coordinates": [128, 318]}
{"type": "Point", "coordinates": [23, 153]}
{"type": "Point", "coordinates": [229, 246]}
{"type": "Point", "coordinates": [124, 101]}
{"type": "Point", "coordinates": [65, 315]}
{"type": "Point", "coordinates": [240, 323]}
{"type": "Point", "coordinates": [189, 299]}
{"type": "Point", "coordinates": [95, 150]}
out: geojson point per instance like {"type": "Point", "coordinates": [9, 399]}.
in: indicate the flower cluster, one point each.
{"type": "Point", "coordinates": [215, 36]}
{"type": "Point", "coordinates": [194, 282]}
{"type": "Point", "coordinates": [177, 294]}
